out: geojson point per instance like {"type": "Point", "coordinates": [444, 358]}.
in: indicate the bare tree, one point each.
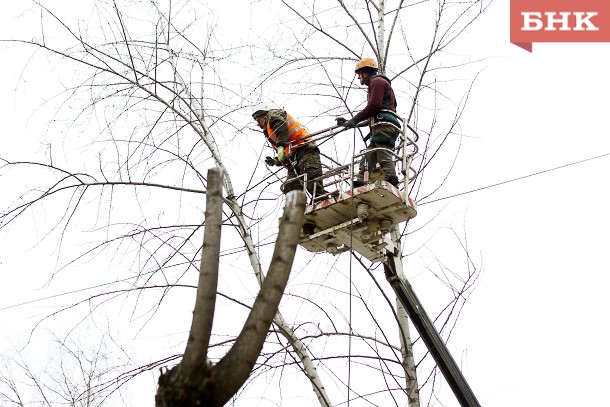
{"type": "Point", "coordinates": [173, 140]}
{"type": "Point", "coordinates": [160, 92]}
{"type": "Point", "coordinates": [75, 374]}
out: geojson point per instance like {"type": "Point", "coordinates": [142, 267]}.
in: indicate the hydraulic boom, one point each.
{"type": "Point", "coordinates": [430, 335]}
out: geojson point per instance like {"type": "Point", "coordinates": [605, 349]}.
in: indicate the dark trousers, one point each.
{"type": "Point", "coordinates": [383, 156]}
{"type": "Point", "coordinates": [306, 161]}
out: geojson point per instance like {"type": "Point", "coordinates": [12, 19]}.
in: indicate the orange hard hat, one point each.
{"type": "Point", "coordinates": [366, 63]}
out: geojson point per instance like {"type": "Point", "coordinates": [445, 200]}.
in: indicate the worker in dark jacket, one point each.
{"type": "Point", "coordinates": [382, 119]}
{"type": "Point", "coordinates": [295, 150]}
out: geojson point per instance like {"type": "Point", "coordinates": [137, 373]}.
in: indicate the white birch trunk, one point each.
{"type": "Point", "coordinates": [406, 346]}
{"type": "Point", "coordinates": [381, 51]}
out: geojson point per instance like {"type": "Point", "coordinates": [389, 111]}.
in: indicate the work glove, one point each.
{"type": "Point", "coordinates": [340, 121]}
{"type": "Point", "coordinates": [271, 162]}
{"type": "Point", "coordinates": [351, 123]}
{"type": "Point", "coordinates": [281, 155]}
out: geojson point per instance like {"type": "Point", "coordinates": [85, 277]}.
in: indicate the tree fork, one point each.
{"type": "Point", "coordinates": [195, 381]}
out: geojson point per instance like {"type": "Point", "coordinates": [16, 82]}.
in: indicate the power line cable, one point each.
{"type": "Point", "coordinates": [514, 179]}
{"type": "Point", "coordinates": [50, 297]}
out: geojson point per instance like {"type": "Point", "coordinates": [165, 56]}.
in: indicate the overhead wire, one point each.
{"type": "Point", "coordinates": [514, 179]}
{"type": "Point", "coordinates": [79, 290]}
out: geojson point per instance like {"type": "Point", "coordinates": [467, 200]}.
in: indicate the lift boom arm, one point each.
{"type": "Point", "coordinates": [430, 335]}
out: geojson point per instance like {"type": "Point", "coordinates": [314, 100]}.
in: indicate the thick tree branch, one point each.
{"type": "Point", "coordinates": [203, 315]}
{"type": "Point", "coordinates": [235, 367]}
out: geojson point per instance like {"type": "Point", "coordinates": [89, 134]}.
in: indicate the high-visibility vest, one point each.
{"type": "Point", "coordinates": [297, 135]}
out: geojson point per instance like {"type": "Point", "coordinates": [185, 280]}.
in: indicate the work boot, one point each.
{"type": "Point", "coordinates": [308, 228]}
{"type": "Point", "coordinates": [393, 181]}
{"type": "Point", "coordinates": [319, 190]}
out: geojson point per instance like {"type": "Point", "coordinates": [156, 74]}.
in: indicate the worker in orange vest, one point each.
{"type": "Point", "coordinates": [295, 150]}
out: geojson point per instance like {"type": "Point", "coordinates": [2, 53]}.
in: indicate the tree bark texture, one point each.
{"type": "Point", "coordinates": [406, 346]}
{"type": "Point", "coordinates": [198, 382]}
{"type": "Point", "coordinates": [203, 315]}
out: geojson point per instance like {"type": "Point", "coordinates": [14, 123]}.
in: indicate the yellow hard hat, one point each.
{"type": "Point", "coordinates": [366, 63]}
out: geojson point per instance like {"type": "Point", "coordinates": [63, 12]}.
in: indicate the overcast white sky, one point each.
{"type": "Point", "coordinates": [537, 325]}
{"type": "Point", "coordinates": [535, 331]}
